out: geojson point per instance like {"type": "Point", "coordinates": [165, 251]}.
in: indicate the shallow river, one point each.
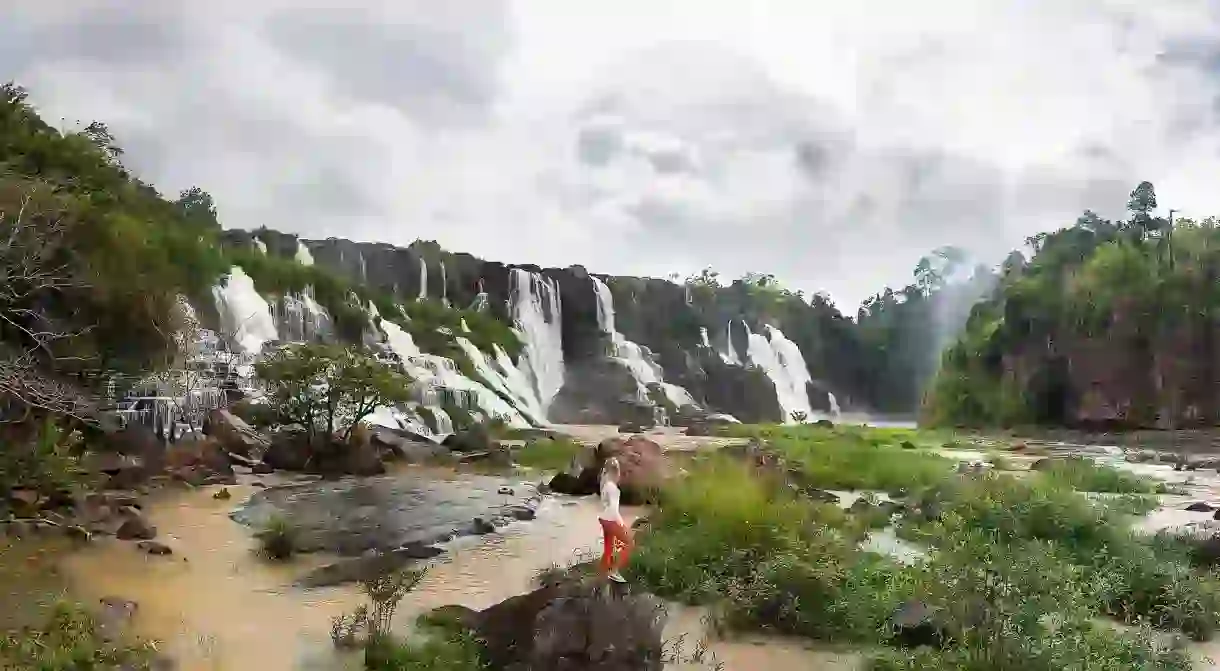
{"type": "Point", "coordinates": [215, 605]}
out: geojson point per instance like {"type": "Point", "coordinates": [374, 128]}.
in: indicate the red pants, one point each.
{"type": "Point", "coordinates": [615, 537]}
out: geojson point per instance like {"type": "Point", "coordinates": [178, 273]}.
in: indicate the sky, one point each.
{"type": "Point", "coordinates": [831, 144]}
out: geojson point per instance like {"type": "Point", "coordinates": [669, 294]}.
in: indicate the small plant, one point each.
{"type": "Point", "coordinates": [385, 592]}
{"type": "Point", "coordinates": [71, 639]}
{"type": "Point", "coordinates": [278, 540]}
{"type": "Point", "coordinates": [346, 631]}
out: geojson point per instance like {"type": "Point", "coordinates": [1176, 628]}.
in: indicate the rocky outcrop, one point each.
{"type": "Point", "coordinates": [294, 449]}
{"type": "Point", "coordinates": [575, 624]}
{"type": "Point", "coordinates": [641, 463]}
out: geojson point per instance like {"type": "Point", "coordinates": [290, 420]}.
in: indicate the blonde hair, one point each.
{"type": "Point", "coordinates": [611, 468]}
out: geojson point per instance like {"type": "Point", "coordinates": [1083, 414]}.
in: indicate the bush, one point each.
{"type": "Point", "coordinates": [551, 454]}
{"type": "Point", "coordinates": [859, 459]}
{"type": "Point", "coordinates": [1088, 476]}
{"type": "Point", "coordinates": [278, 539]}
{"type": "Point", "coordinates": [436, 650]}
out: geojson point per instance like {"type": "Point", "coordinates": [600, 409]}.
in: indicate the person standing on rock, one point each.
{"type": "Point", "coordinates": [615, 535]}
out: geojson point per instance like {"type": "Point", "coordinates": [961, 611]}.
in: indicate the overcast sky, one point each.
{"type": "Point", "coordinates": [829, 143]}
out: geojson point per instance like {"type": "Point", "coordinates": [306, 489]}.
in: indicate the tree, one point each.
{"type": "Point", "coordinates": [197, 206]}
{"type": "Point", "coordinates": [330, 388]}
{"type": "Point", "coordinates": [101, 137]}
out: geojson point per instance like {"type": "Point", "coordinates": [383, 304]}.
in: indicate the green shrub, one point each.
{"type": "Point", "coordinates": [278, 539]}
{"type": "Point", "coordinates": [435, 650]}
{"type": "Point", "coordinates": [1088, 476]}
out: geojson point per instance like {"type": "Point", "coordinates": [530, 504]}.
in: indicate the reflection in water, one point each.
{"type": "Point", "coordinates": [214, 605]}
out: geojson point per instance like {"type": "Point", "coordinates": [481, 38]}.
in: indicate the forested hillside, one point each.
{"type": "Point", "coordinates": [1109, 324]}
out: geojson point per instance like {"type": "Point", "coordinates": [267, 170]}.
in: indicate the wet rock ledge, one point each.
{"type": "Point", "coordinates": [384, 514]}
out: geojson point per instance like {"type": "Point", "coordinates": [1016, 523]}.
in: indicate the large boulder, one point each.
{"type": "Point", "coordinates": [641, 462]}
{"type": "Point", "coordinates": [393, 445]}
{"type": "Point", "coordinates": [233, 433]}
{"type": "Point", "coordinates": [198, 462]}
{"type": "Point", "coordinates": [475, 438]}
{"type": "Point", "coordinates": [292, 450]}
{"type": "Point", "coordinates": [575, 624]}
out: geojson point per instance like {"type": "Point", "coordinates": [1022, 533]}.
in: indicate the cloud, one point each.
{"type": "Point", "coordinates": [831, 145]}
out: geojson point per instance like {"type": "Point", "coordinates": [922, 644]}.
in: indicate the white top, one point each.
{"type": "Point", "coordinates": [610, 511]}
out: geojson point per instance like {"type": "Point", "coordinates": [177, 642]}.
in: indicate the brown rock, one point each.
{"type": "Point", "coordinates": [154, 548]}
{"type": "Point", "coordinates": [233, 433]}
{"type": "Point", "coordinates": [641, 462]}
{"type": "Point", "coordinates": [575, 624]}
{"type": "Point", "coordinates": [135, 527]}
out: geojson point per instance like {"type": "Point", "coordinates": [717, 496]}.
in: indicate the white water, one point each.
{"type": "Point", "coordinates": [260, 245]}
{"type": "Point", "coordinates": [444, 285]}
{"type": "Point", "coordinates": [783, 363]}
{"type": "Point", "coordinates": [504, 377]}
{"type": "Point", "coordinates": [703, 339]}
{"type": "Point", "coordinates": [535, 309]}
{"type": "Point", "coordinates": [364, 269]}
{"type": "Point", "coordinates": [644, 369]}
{"type": "Point", "coordinates": [300, 318]}
{"type": "Point", "coordinates": [434, 372]}
{"type": "Point", "coordinates": [303, 256]}
{"type": "Point", "coordinates": [243, 312]}
{"type": "Point", "coordinates": [834, 404]}
{"type": "Point", "coordinates": [423, 278]}
{"type": "Point", "coordinates": [729, 355]}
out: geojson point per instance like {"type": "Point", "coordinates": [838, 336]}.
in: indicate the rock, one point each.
{"type": "Point", "coordinates": [575, 624]}
{"type": "Point", "coordinates": [861, 505]}
{"type": "Point", "coordinates": [368, 567]}
{"type": "Point", "coordinates": [481, 527]}
{"type": "Point", "coordinates": [632, 427]}
{"type": "Point", "coordinates": [154, 548]}
{"type": "Point", "coordinates": [261, 469]}
{"type": "Point", "coordinates": [223, 494]}
{"type": "Point", "coordinates": [584, 484]}
{"type": "Point", "coordinates": [452, 617]}
{"type": "Point", "coordinates": [916, 624]}
{"type": "Point", "coordinates": [289, 449]}
{"type": "Point", "coordinates": [399, 447]}
{"type": "Point", "coordinates": [523, 513]}
{"type": "Point", "coordinates": [472, 439]}
{"type": "Point", "coordinates": [196, 460]}
{"type": "Point", "coordinates": [77, 534]}
{"type": "Point", "coordinates": [135, 528]}
{"type": "Point", "coordinates": [641, 463]}
{"type": "Point", "coordinates": [508, 491]}
{"type": "Point", "coordinates": [1200, 507]}
{"type": "Point", "coordinates": [907, 445]}
{"type": "Point", "coordinates": [825, 423]}
{"type": "Point", "coordinates": [820, 495]}
{"type": "Point", "coordinates": [233, 433]}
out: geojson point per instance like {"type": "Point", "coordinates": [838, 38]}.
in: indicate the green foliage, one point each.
{"type": "Point", "coordinates": [550, 454]}
{"type": "Point", "coordinates": [39, 455]}
{"type": "Point", "coordinates": [70, 640]}
{"type": "Point", "coordinates": [1086, 475]}
{"type": "Point", "coordinates": [329, 388]}
{"type": "Point", "coordinates": [436, 651]}
{"type": "Point", "coordinates": [278, 539]}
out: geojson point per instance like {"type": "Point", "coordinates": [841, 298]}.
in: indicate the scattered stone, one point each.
{"type": "Point", "coordinates": [523, 513]}
{"type": "Point", "coordinates": [261, 469]}
{"type": "Point", "coordinates": [136, 528]}
{"type": "Point", "coordinates": [907, 445]}
{"type": "Point", "coordinates": [258, 483]}
{"type": "Point", "coordinates": [1200, 507]}
{"type": "Point", "coordinates": [506, 490]}
{"type": "Point", "coordinates": [223, 494]}
{"type": "Point", "coordinates": [154, 548]}
{"type": "Point", "coordinates": [77, 534]}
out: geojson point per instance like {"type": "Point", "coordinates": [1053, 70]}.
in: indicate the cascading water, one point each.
{"type": "Point", "coordinates": [481, 303]}
{"type": "Point", "coordinates": [303, 256]}
{"type": "Point", "coordinates": [244, 314]}
{"type": "Point", "coordinates": [436, 373]}
{"type": "Point", "coordinates": [423, 278]}
{"type": "Point", "coordinates": [444, 285]}
{"type": "Point", "coordinates": [505, 378]}
{"type": "Point", "coordinates": [703, 339]}
{"type": "Point", "coordinates": [784, 365]}
{"type": "Point", "coordinates": [729, 355]}
{"type": "Point", "coordinates": [644, 369]}
{"type": "Point", "coordinates": [535, 308]}
{"type": "Point", "coordinates": [364, 270]}
{"type": "Point", "coordinates": [260, 246]}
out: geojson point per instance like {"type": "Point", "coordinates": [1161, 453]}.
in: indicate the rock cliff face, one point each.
{"type": "Point", "coordinates": [661, 316]}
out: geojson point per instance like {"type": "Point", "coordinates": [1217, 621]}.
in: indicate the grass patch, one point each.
{"type": "Point", "coordinates": [549, 454]}
{"type": "Point", "coordinates": [1020, 573]}
{"type": "Point", "coordinates": [1088, 476]}
{"type": "Point", "coordinates": [434, 649]}
{"type": "Point", "coordinates": [69, 640]}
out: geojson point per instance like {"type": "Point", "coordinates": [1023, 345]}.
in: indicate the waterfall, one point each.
{"type": "Point", "coordinates": [703, 340]}
{"type": "Point", "coordinates": [244, 315]}
{"type": "Point", "coordinates": [535, 308]}
{"type": "Point", "coordinates": [423, 278]}
{"type": "Point", "coordinates": [834, 404]}
{"type": "Point", "coordinates": [444, 285]}
{"type": "Point", "coordinates": [299, 318]}
{"type": "Point", "coordinates": [303, 256]}
{"type": "Point", "coordinates": [729, 355]}
{"type": "Point", "coordinates": [434, 374]}
{"type": "Point", "coordinates": [637, 359]}
{"type": "Point", "coordinates": [364, 269]}
{"type": "Point", "coordinates": [260, 246]}
{"type": "Point", "coordinates": [505, 378]}
{"type": "Point", "coordinates": [784, 364]}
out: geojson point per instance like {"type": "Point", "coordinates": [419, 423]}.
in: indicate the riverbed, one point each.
{"type": "Point", "coordinates": [214, 604]}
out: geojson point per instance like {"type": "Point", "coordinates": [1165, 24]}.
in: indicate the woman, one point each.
{"type": "Point", "coordinates": [614, 531]}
